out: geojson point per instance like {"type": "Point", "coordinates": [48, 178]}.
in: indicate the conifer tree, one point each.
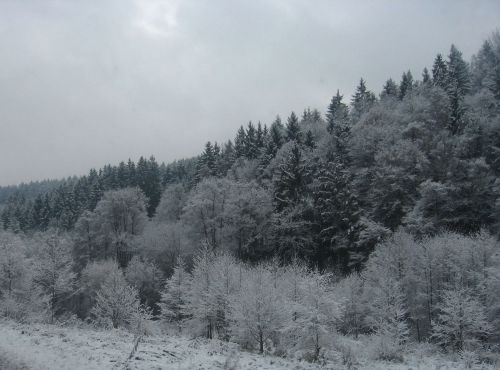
{"type": "Point", "coordinates": [426, 77]}
{"type": "Point", "coordinates": [406, 84]}
{"type": "Point", "coordinates": [390, 88]}
{"type": "Point", "coordinates": [131, 173]}
{"type": "Point", "coordinates": [239, 143]}
{"type": "Point", "coordinates": [336, 113]}
{"type": "Point", "coordinates": [251, 145]}
{"type": "Point", "coordinates": [309, 141]}
{"type": "Point", "coordinates": [362, 100]}
{"type": "Point", "coordinates": [291, 184]}
{"type": "Point", "coordinates": [337, 212]}
{"type": "Point", "coordinates": [486, 67]}
{"type": "Point", "coordinates": [259, 137]}
{"type": "Point", "coordinates": [293, 129]}
{"type": "Point", "coordinates": [276, 134]}
{"type": "Point", "coordinates": [440, 72]}
{"type": "Point", "coordinates": [458, 85]}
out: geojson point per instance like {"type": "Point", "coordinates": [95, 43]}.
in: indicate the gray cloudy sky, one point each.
{"type": "Point", "coordinates": [89, 82]}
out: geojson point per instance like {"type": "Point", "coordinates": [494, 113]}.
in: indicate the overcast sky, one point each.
{"type": "Point", "coordinates": [89, 82]}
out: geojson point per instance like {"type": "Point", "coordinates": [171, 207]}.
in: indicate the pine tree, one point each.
{"type": "Point", "coordinates": [316, 115]}
{"type": "Point", "coordinates": [239, 143]}
{"type": "Point", "coordinates": [206, 162]}
{"type": "Point", "coordinates": [293, 129]}
{"type": "Point", "coordinates": [362, 100]}
{"type": "Point", "coordinates": [486, 68]}
{"type": "Point", "coordinates": [337, 214]}
{"type": "Point", "coordinates": [440, 72]}
{"type": "Point", "coordinates": [122, 175]}
{"type": "Point", "coordinates": [309, 142]}
{"type": "Point", "coordinates": [406, 84]}
{"type": "Point", "coordinates": [291, 184]}
{"type": "Point", "coordinates": [276, 136]}
{"type": "Point", "coordinates": [458, 85]}
{"type": "Point", "coordinates": [132, 181]}
{"type": "Point", "coordinates": [259, 137]}
{"type": "Point", "coordinates": [336, 113]}
{"type": "Point", "coordinates": [426, 77]}
{"type": "Point", "coordinates": [390, 89]}
{"type": "Point", "coordinates": [251, 145]}
{"type": "Point", "coordinates": [153, 188]}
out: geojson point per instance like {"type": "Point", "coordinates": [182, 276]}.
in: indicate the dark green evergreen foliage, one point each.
{"type": "Point", "coordinates": [226, 159]}
{"type": "Point", "coordinates": [337, 216]}
{"type": "Point", "coordinates": [486, 66]}
{"type": "Point", "coordinates": [290, 186]}
{"type": "Point", "coordinates": [181, 171]}
{"type": "Point", "coordinates": [309, 115]}
{"type": "Point", "coordinates": [240, 143]}
{"type": "Point", "coordinates": [293, 232]}
{"type": "Point", "coordinates": [207, 162]}
{"type": "Point", "coordinates": [458, 85]}
{"type": "Point", "coordinates": [276, 134]}
{"type": "Point", "coordinates": [62, 206]}
{"type": "Point", "coordinates": [29, 190]}
{"type": "Point", "coordinates": [440, 72]}
{"type": "Point", "coordinates": [251, 142]}
{"type": "Point", "coordinates": [464, 202]}
{"type": "Point", "coordinates": [390, 89]}
{"type": "Point", "coordinates": [337, 113]}
{"type": "Point", "coordinates": [338, 126]}
{"type": "Point", "coordinates": [406, 84]}
{"type": "Point", "coordinates": [293, 129]}
{"type": "Point", "coordinates": [426, 77]}
{"type": "Point", "coordinates": [260, 136]}
{"type": "Point", "coordinates": [362, 100]}
{"type": "Point", "coordinates": [149, 181]}
{"type": "Point", "coordinates": [309, 141]}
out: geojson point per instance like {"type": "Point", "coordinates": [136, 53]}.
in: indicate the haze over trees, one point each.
{"type": "Point", "coordinates": [379, 218]}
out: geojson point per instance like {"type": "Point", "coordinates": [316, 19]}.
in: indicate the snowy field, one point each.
{"type": "Point", "coordinates": [50, 347]}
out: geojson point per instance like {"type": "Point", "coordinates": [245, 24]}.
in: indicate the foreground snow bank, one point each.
{"type": "Point", "coordinates": [43, 347]}
{"type": "Point", "coordinates": [51, 347]}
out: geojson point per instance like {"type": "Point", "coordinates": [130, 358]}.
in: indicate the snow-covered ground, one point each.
{"type": "Point", "coordinates": [43, 347]}
{"type": "Point", "coordinates": [51, 347]}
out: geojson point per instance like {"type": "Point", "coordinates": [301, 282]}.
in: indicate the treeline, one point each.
{"type": "Point", "coordinates": [28, 190]}
{"type": "Point", "coordinates": [423, 155]}
{"type": "Point", "coordinates": [59, 203]}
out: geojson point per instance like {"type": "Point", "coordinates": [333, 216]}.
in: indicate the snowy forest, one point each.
{"type": "Point", "coordinates": [364, 232]}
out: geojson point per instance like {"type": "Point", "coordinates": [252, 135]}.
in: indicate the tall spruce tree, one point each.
{"type": "Point", "coordinates": [239, 143]}
{"type": "Point", "coordinates": [337, 213]}
{"type": "Point", "coordinates": [458, 85]}
{"type": "Point", "coordinates": [251, 148]}
{"type": "Point", "coordinates": [426, 77]}
{"type": "Point", "coordinates": [362, 100]}
{"type": "Point", "coordinates": [291, 183]}
{"type": "Point", "coordinates": [440, 72]}
{"type": "Point", "coordinates": [406, 84]}
{"type": "Point", "coordinates": [336, 113]}
{"type": "Point", "coordinates": [390, 89]}
{"type": "Point", "coordinates": [293, 129]}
